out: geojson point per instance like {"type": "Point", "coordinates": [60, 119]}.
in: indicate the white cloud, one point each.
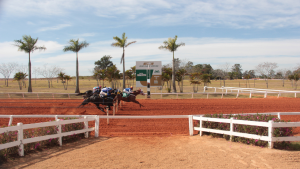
{"type": "Point", "coordinates": [237, 14]}
{"type": "Point", "coordinates": [51, 28]}
{"type": "Point", "coordinates": [214, 51]}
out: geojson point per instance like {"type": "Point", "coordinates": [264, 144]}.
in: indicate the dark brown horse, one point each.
{"type": "Point", "coordinates": [131, 97]}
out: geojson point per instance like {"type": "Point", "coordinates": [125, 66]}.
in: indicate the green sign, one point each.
{"type": "Point", "coordinates": [141, 75]}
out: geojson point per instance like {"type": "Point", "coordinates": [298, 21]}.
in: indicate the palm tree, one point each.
{"type": "Point", "coordinates": [75, 46]}
{"type": "Point", "coordinates": [171, 46]}
{"type": "Point", "coordinates": [122, 43]}
{"type": "Point", "coordinates": [28, 45]}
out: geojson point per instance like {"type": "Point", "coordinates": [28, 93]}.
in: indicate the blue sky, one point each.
{"type": "Point", "coordinates": [215, 32]}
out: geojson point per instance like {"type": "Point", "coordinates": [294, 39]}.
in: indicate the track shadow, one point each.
{"type": "Point", "coordinates": [39, 156]}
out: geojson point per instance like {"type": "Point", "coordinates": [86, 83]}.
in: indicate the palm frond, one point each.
{"type": "Point", "coordinates": [130, 43]}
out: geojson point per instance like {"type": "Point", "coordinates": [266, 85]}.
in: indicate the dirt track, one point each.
{"type": "Point", "coordinates": [132, 127]}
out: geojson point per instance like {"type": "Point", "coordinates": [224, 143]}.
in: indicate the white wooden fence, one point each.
{"type": "Point", "coordinates": [21, 141]}
{"type": "Point", "coordinates": [21, 127]}
{"type": "Point", "coordinates": [250, 91]}
{"type": "Point", "coordinates": [270, 125]}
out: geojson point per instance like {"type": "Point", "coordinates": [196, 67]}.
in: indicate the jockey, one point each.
{"type": "Point", "coordinates": [97, 89]}
{"type": "Point", "coordinates": [127, 91]}
{"type": "Point", "coordinates": [105, 91]}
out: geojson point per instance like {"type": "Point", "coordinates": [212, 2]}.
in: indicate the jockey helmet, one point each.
{"type": "Point", "coordinates": [131, 87]}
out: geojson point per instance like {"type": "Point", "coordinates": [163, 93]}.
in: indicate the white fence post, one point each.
{"type": "Point", "coordinates": [96, 126]}
{"type": "Point", "coordinates": [200, 132]}
{"type": "Point", "coordinates": [10, 120]}
{"type": "Point", "coordinates": [8, 95]}
{"type": "Point", "coordinates": [192, 95]}
{"type": "Point", "coordinates": [117, 105]}
{"type": "Point", "coordinates": [114, 108]}
{"type": "Point", "coordinates": [86, 126]}
{"type": "Point", "coordinates": [266, 94]}
{"type": "Point", "coordinates": [207, 95]}
{"type": "Point", "coordinates": [107, 112]}
{"type": "Point", "coordinates": [237, 95]}
{"type": "Point", "coordinates": [278, 114]}
{"type": "Point", "coordinates": [270, 134]}
{"type": "Point", "coordinates": [59, 132]}
{"type": "Point", "coordinates": [23, 95]}
{"type": "Point", "coordinates": [250, 95]}
{"type": "Point", "coordinates": [69, 96]}
{"type": "Point", "coordinates": [231, 128]}
{"type": "Point", "coordinates": [295, 95]}
{"type": "Point", "coordinates": [191, 125]}
{"type": "Point", "coordinates": [20, 139]}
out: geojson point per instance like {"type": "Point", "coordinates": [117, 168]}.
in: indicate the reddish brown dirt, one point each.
{"type": "Point", "coordinates": [119, 127]}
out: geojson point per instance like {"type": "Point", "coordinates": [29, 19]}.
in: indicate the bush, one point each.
{"type": "Point", "coordinates": [11, 136]}
{"type": "Point", "coordinates": [262, 131]}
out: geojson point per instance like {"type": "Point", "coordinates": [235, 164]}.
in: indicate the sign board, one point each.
{"type": "Point", "coordinates": [148, 70]}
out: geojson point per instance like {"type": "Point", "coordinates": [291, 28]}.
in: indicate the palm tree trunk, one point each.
{"type": "Point", "coordinates": [29, 78]}
{"type": "Point", "coordinates": [77, 75]}
{"type": "Point", "coordinates": [123, 68]}
{"type": "Point", "coordinates": [173, 75]}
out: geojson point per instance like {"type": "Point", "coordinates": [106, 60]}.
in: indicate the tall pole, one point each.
{"type": "Point", "coordinates": [148, 82]}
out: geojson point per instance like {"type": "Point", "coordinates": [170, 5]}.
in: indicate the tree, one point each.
{"type": "Point", "coordinates": [122, 43]}
{"type": "Point", "coordinates": [112, 74]}
{"type": "Point", "coordinates": [225, 68]}
{"type": "Point", "coordinates": [104, 62]}
{"type": "Point", "coordinates": [28, 45]}
{"type": "Point", "coordinates": [265, 69]}
{"type": "Point", "coordinates": [133, 69]}
{"type": "Point", "coordinates": [6, 70]}
{"type": "Point", "coordinates": [49, 73]}
{"type": "Point", "coordinates": [75, 46]}
{"type": "Point", "coordinates": [205, 78]}
{"type": "Point", "coordinates": [99, 74]}
{"type": "Point", "coordinates": [166, 76]}
{"type": "Point", "coordinates": [20, 76]}
{"type": "Point", "coordinates": [171, 46]}
{"type": "Point", "coordinates": [237, 69]}
{"type": "Point", "coordinates": [195, 80]}
{"type": "Point", "coordinates": [179, 77]}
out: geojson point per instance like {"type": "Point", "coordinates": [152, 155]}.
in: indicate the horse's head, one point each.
{"type": "Point", "coordinates": [141, 92]}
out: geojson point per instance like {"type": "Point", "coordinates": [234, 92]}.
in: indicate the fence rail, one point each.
{"type": "Point", "coordinates": [86, 118]}
{"type": "Point", "coordinates": [270, 125]}
{"type": "Point", "coordinates": [21, 127]}
{"type": "Point", "coordinates": [222, 91]}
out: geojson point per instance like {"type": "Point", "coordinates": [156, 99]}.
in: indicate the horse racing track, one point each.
{"type": "Point", "coordinates": [147, 127]}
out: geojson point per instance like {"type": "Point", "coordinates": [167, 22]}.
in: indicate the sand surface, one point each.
{"type": "Point", "coordinates": [158, 152]}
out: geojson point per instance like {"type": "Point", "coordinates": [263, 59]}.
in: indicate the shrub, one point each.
{"type": "Point", "coordinates": [262, 131]}
{"type": "Point", "coordinates": [11, 136]}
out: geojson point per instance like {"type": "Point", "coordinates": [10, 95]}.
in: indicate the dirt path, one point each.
{"type": "Point", "coordinates": [132, 127]}
{"type": "Point", "coordinates": [158, 152]}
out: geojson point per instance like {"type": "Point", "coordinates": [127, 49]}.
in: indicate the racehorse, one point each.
{"type": "Point", "coordinates": [130, 98]}
{"type": "Point", "coordinates": [97, 100]}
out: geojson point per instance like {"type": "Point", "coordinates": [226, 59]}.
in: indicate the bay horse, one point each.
{"type": "Point", "coordinates": [130, 98]}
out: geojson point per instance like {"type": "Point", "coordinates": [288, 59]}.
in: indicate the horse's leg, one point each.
{"type": "Point", "coordinates": [100, 108]}
{"type": "Point", "coordinates": [84, 103]}
{"type": "Point", "coordinates": [134, 101]}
